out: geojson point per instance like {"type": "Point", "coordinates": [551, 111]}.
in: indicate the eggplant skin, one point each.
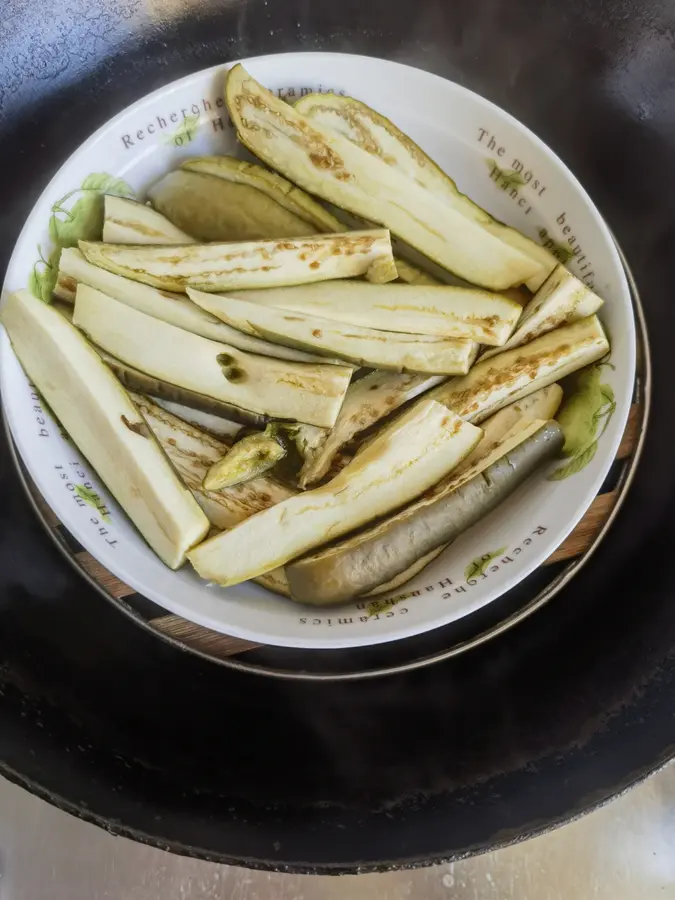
{"type": "Point", "coordinates": [359, 564]}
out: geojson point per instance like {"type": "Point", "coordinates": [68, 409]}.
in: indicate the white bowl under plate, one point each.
{"type": "Point", "coordinates": [467, 136]}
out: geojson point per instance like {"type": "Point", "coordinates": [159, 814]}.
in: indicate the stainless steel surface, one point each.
{"type": "Point", "coordinates": [624, 851]}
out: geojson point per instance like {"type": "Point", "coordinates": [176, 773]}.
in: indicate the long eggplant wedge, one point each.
{"type": "Point", "coordinates": [130, 222]}
{"type": "Point", "coordinates": [103, 422]}
{"type": "Point", "coordinates": [332, 167]}
{"type": "Point", "coordinates": [353, 567]}
{"type": "Point", "coordinates": [424, 446]}
{"type": "Point", "coordinates": [167, 306]}
{"type": "Point", "coordinates": [561, 299]}
{"type": "Point", "coordinates": [270, 387]}
{"type": "Point", "coordinates": [250, 264]}
{"type": "Point", "coordinates": [381, 138]}
{"type": "Point", "coordinates": [218, 209]}
{"type": "Point", "coordinates": [439, 311]}
{"type": "Point", "coordinates": [366, 402]}
{"type": "Point", "coordinates": [512, 375]}
{"type": "Point", "coordinates": [359, 346]}
{"type": "Point", "coordinates": [192, 452]}
{"type": "Point", "coordinates": [283, 193]}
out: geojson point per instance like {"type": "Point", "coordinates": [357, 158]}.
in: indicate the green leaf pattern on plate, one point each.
{"type": "Point", "coordinates": [506, 178]}
{"type": "Point", "coordinates": [42, 278]}
{"type": "Point", "coordinates": [584, 418]}
{"type": "Point", "coordinates": [91, 498]}
{"type": "Point", "coordinates": [185, 133]}
{"type": "Point", "coordinates": [477, 566]}
{"type": "Point", "coordinates": [562, 252]}
{"type": "Point", "coordinates": [78, 216]}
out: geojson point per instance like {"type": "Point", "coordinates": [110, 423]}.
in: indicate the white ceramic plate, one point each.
{"type": "Point", "coordinates": [494, 159]}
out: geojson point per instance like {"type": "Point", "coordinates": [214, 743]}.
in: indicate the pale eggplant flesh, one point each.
{"type": "Point", "coordinates": [250, 264]}
{"type": "Point", "coordinates": [509, 376]}
{"type": "Point", "coordinates": [352, 343]}
{"type": "Point", "coordinates": [352, 568]}
{"type": "Point", "coordinates": [366, 402]}
{"type": "Point", "coordinates": [101, 419]}
{"type": "Point", "coordinates": [437, 311]}
{"type": "Point", "coordinates": [562, 298]}
{"type": "Point", "coordinates": [130, 222]}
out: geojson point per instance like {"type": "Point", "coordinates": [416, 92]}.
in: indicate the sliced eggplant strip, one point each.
{"type": "Point", "coordinates": [361, 563]}
{"type": "Point", "coordinates": [359, 346]}
{"type": "Point", "coordinates": [424, 445]}
{"type": "Point", "coordinates": [561, 299]}
{"type": "Point", "coordinates": [440, 311]}
{"type": "Point", "coordinates": [511, 375]}
{"type": "Point", "coordinates": [367, 400]}
{"type": "Point", "coordinates": [268, 387]}
{"type": "Point", "coordinates": [130, 222]}
{"type": "Point", "coordinates": [542, 404]}
{"type": "Point", "coordinates": [217, 209]}
{"type": "Point", "coordinates": [378, 136]}
{"type": "Point", "coordinates": [169, 307]}
{"type": "Point", "coordinates": [332, 167]}
{"type": "Point", "coordinates": [249, 264]}
{"type": "Point", "coordinates": [192, 451]}
{"type": "Point", "coordinates": [251, 457]}
{"type": "Point", "coordinates": [103, 422]}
